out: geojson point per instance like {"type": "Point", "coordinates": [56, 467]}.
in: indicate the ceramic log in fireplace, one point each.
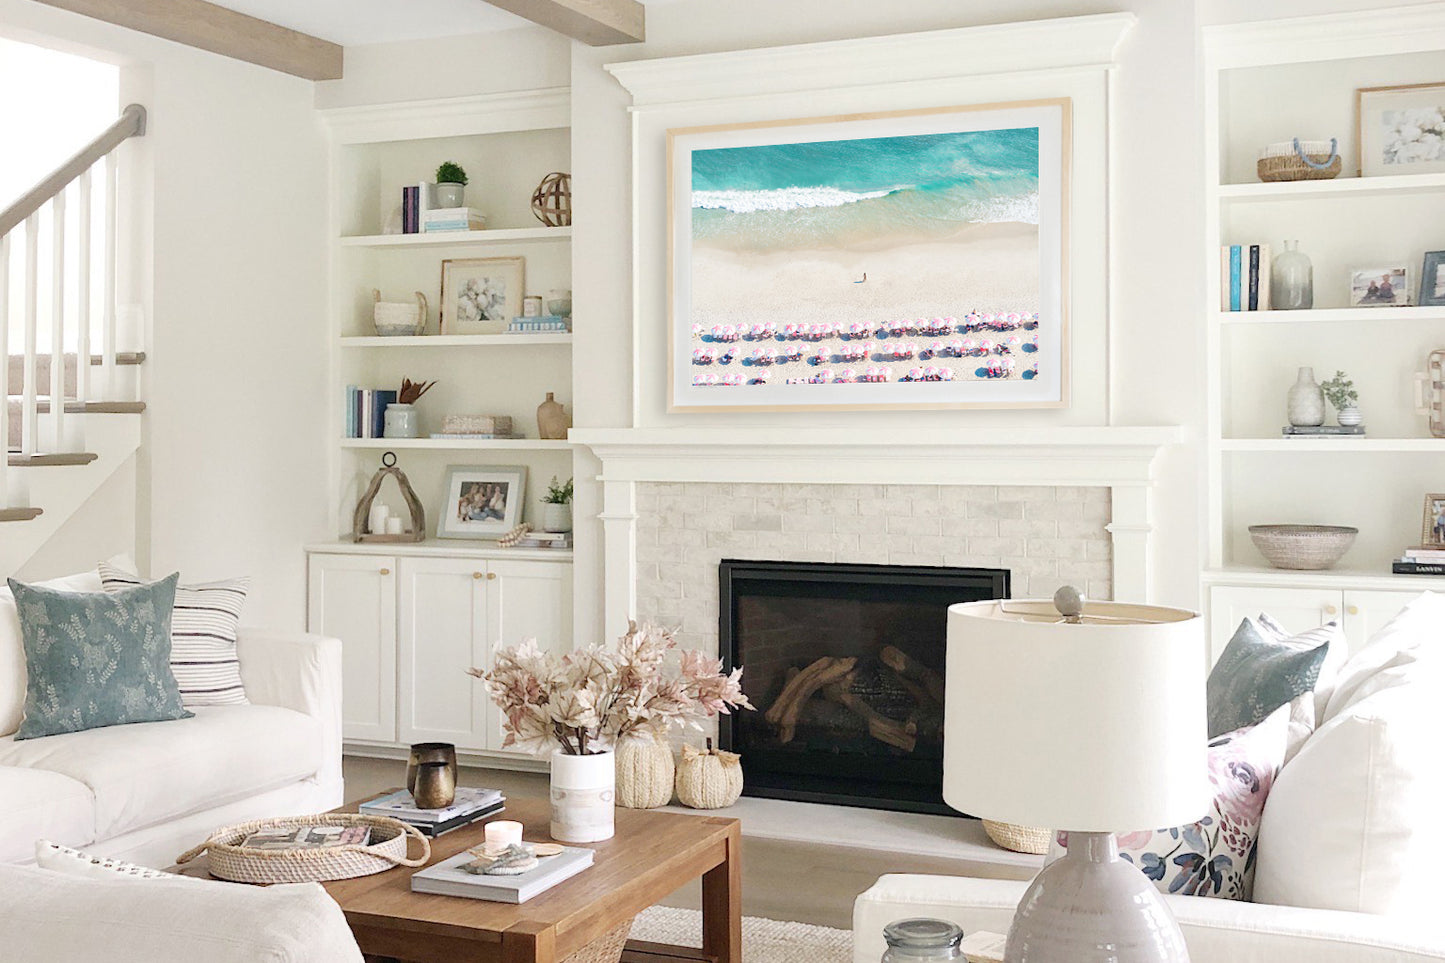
{"type": "Point", "coordinates": [845, 664]}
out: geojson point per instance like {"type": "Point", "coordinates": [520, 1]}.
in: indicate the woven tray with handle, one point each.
{"type": "Point", "coordinates": [243, 864]}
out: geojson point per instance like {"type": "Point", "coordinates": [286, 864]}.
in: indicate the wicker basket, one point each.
{"type": "Point", "coordinates": [1306, 547]}
{"type": "Point", "coordinates": [1299, 160]}
{"type": "Point", "coordinates": [240, 864]}
{"type": "Point", "coordinates": [607, 948]}
{"type": "Point", "coordinates": [1019, 839]}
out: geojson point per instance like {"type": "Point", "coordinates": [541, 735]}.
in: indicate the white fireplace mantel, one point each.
{"type": "Point", "coordinates": [1119, 458]}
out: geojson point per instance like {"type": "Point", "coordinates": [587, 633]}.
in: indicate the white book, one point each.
{"type": "Point", "coordinates": [426, 200]}
{"type": "Point", "coordinates": [401, 805]}
{"type": "Point", "coordinates": [447, 878]}
{"type": "Point", "coordinates": [454, 214]}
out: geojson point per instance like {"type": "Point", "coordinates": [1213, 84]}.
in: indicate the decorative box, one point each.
{"type": "Point", "coordinates": [477, 425]}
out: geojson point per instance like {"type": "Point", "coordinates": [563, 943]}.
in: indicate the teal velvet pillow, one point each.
{"type": "Point", "coordinates": [1258, 672]}
{"type": "Point", "coordinates": [97, 659]}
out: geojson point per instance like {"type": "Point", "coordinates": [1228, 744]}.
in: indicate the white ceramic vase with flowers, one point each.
{"type": "Point", "coordinates": [578, 707]}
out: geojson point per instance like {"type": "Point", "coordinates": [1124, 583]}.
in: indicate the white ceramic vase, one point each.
{"type": "Point", "coordinates": [583, 797]}
{"type": "Point", "coordinates": [451, 195]}
{"type": "Point", "coordinates": [1306, 401]}
{"type": "Point", "coordinates": [400, 421]}
{"type": "Point", "coordinates": [1349, 416]}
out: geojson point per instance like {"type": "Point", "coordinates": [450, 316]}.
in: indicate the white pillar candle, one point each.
{"type": "Point", "coordinates": [393, 525]}
{"type": "Point", "coordinates": [376, 518]}
{"type": "Point", "coordinates": [502, 833]}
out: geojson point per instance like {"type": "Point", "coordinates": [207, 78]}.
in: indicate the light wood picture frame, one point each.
{"type": "Point", "coordinates": [482, 501]}
{"type": "Point", "coordinates": [1400, 129]}
{"type": "Point", "coordinates": [1432, 530]}
{"type": "Point", "coordinates": [924, 253]}
{"type": "Point", "coordinates": [481, 295]}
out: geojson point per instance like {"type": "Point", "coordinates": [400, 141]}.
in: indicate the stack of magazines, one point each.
{"type": "Point", "coordinates": [469, 806]}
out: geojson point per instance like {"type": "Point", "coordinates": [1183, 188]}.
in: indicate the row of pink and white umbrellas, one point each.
{"type": "Point", "coordinates": [865, 350]}
{"type": "Point", "coordinates": [996, 368]}
{"type": "Point", "coordinates": [767, 331]}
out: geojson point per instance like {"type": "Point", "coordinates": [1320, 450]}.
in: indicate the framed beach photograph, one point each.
{"type": "Point", "coordinates": [1380, 287]}
{"type": "Point", "coordinates": [482, 501]}
{"type": "Point", "coordinates": [1432, 533]}
{"type": "Point", "coordinates": [481, 294]}
{"type": "Point", "coordinates": [1432, 279]}
{"type": "Point", "coordinates": [1401, 129]}
{"type": "Point", "coordinates": [910, 259]}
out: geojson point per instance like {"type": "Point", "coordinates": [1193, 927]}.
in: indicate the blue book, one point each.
{"type": "Point", "coordinates": [1236, 265]}
{"type": "Point", "coordinates": [378, 419]}
{"type": "Point", "coordinates": [351, 411]}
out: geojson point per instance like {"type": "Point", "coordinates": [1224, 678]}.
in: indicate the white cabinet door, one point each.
{"type": "Point", "coordinates": [1297, 609]}
{"type": "Point", "coordinates": [1367, 611]}
{"type": "Point", "coordinates": [353, 598]}
{"type": "Point", "coordinates": [528, 600]}
{"type": "Point", "coordinates": [443, 612]}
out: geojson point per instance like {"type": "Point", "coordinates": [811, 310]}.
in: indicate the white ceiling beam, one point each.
{"type": "Point", "coordinates": [597, 23]}
{"type": "Point", "coordinates": [207, 26]}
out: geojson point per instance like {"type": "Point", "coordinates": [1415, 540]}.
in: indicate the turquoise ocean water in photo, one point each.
{"type": "Point", "coordinates": [878, 190]}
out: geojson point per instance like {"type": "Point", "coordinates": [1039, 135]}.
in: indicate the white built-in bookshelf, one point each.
{"type": "Point", "coordinates": [1271, 81]}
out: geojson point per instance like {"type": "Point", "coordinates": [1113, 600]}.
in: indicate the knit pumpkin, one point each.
{"type": "Point", "coordinates": [644, 773]}
{"type": "Point", "coordinates": [709, 779]}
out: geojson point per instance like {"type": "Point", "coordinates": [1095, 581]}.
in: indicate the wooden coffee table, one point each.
{"type": "Point", "coordinates": [651, 855]}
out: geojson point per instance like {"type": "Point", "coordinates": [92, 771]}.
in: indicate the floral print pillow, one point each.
{"type": "Point", "coordinates": [1215, 856]}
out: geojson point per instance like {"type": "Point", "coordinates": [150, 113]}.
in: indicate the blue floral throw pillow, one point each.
{"type": "Point", "coordinates": [1258, 672]}
{"type": "Point", "coordinates": [1215, 856]}
{"type": "Point", "coordinates": [94, 659]}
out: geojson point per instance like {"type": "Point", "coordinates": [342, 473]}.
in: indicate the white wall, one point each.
{"type": "Point", "coordinates": [231, 479]}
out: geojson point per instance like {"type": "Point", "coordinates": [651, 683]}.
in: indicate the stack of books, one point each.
{"type": "Point", "coordinates": [545, 540]}
{"type": "Point", "coordinates": [1421, 560]}
{"type": "Point", "coordinates": [1244, 277]}
{"type": "Point", "coordinates": [545, 324]}
{"type": "Point", "coordinates": [1322, 431]}
{"type": "Point", "coordinates": [447, 878]}
{"type": "Point", "coordinates": [453, 219]}
{"type": "Point", "coordinates": [365, 411]}
{"type": "Point", "coordinates": [469, 806]}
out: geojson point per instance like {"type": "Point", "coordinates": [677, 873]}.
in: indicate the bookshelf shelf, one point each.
{"type": "Point", "coordinates": [1332, 315]}
{"type": "Point", "coordinates": [458, 341]}
{"type": "Point", "coordinates": [460, 444]}
{"type": "Point", "coordinates": [1337, 445]}
{"type": "Point", "coordinates": [521, 235]}
{"type": "Point", "coordinates": [1339, 187]}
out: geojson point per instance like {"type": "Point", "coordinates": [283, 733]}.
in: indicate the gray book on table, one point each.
{"type": "Point", "coordinates": [447, 878]}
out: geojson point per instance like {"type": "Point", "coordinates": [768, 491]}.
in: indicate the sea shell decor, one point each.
{"type": "Point", "coordinates": [709, 779]}
{"type": "Point", "coordinates": [645, 774]}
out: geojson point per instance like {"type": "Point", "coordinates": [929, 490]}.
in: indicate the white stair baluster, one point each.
{"type": "Point", "coordinates": [5, 368]}
{"type": "Point", "coordinates": [57, 323]}
{"type": "Point", "coordinates": [107, 336]}
{"type": "Point", "coordinates": [82, 341]}
{"type": "Point", "coordinates": [28, 375]}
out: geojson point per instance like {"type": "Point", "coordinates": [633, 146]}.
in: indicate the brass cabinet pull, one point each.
{"type": "Point", "coordinates": [1353, 610]}
{"type": "Point", "coordinates": [386, 571]}
{"type": "Point", "coordinates": [476, 575]}
{"type": "Point", "coordinates": [1330, 610]}
{"type": "Point", "coordinates": [491, 575]}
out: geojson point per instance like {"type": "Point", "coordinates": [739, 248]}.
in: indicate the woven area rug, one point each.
{"type": "Point", "coordinates": [764, 941]}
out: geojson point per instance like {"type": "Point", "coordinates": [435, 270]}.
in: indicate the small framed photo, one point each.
{"type": "Point", "coordinates": [1380, 287]}
{"type": "Point", "coordinates": [482, 501]}
{"type": "Point", "coordinates": [1401, 129]}
{"type": "Point", "coordinates": [532, 306]}
{"type": "Point", "coordinates": [481, 294]}
{"type": "Point", "coordinates": [1432, 279]}
{"type": "Point", "coordinates": [1432, 533]}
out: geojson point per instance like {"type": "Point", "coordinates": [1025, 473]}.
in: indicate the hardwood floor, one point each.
{"type": "Point", "coordinates": [805, 883]}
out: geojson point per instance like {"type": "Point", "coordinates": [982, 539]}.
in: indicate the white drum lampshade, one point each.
{"type": "Point", "coordinates": [1094, 725]}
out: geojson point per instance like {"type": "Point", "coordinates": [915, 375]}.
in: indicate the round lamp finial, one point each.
{"type": "Point", "coordinates": [1070, 603]}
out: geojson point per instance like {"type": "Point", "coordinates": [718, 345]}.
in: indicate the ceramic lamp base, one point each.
{"type": "Point", "coordinates": [1093, 907]}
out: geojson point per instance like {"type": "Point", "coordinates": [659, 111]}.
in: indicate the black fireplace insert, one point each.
{"type": "Point", "coordinates": [845, 666]}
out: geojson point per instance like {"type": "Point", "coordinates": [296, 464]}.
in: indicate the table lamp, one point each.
{"type": "Point", "coordinates": [1087, 717]}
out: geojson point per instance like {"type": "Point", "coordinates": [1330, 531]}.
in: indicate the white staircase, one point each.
{"type": "Point", "coordinates": [68, 426]}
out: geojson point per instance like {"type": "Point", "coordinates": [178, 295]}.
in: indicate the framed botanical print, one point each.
{"type": "Point", "coordinates": [481, 294]}
{"type": "Point", "coordinates": [1401, 129]}
{"type": "Point", "coordinates": [910, 259]}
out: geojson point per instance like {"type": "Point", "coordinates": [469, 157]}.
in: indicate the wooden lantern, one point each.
{"type": "Point", "coordinates": [552, 200]}
{"type": "Point", "coordinates": [362, 514]}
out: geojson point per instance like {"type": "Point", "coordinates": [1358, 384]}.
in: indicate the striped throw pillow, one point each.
{"type": "Point", "coordinates": [203, 637]}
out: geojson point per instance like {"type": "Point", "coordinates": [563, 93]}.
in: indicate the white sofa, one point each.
{"type": "Point", "coordinates": [1346, 868]}
{"type": "Point", "coordinates": [148, 792]}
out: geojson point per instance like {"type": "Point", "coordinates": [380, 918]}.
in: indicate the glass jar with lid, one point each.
{"type": "Point", "coordinates": [921, 941]}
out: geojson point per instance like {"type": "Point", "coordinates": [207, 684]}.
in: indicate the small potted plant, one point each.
{"type": "Point", "coordinates": [1341, 393]}
{"type": "Point", "coordinates": [557, 507]}
{"type": "Point", "coordinates": [451, 185]}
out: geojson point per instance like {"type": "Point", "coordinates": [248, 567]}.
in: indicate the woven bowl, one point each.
{"type": "Point", "coordinates": [241, 864]}
{"type": "Point", "coordinates": [1307, 547]}
{"type": "Point", "coordinates": [1018, 839]}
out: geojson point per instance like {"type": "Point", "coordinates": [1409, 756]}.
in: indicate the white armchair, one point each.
{"type": "Point", "coordinates": [1216, 930]}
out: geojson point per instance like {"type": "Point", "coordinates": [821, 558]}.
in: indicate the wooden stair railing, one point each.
{"type": "Point", "coordinates": [25, 382]}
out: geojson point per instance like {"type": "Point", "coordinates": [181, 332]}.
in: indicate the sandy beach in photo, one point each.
{"type": "Point", "coordinates": [988, 268]}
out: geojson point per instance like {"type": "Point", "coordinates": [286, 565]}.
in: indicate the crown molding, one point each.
{"type": "Point", "coordinates": [1332, 36]}
{"type": "Point", "coordinates": [452, 116]}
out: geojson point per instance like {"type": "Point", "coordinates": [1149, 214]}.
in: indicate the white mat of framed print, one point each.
{"type": "Point", "coordinates": [913, 259]}
{"type": "Point", "coordinates": [482, 501]}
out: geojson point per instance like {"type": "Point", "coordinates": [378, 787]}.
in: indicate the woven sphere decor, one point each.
{"type": "Point", "coordinates": [552, 200]}
{"type": "Point", "coordinates": [709, 779]}
{"type": "Point", "coordinates": [645, 772]}
{"type": "Point", "coordinates": [243, 864]}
